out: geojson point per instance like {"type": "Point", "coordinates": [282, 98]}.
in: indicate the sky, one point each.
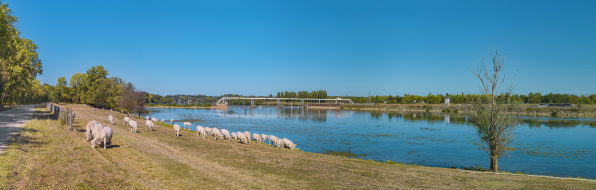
{"type": "Point", "coordinates": [344, 47]}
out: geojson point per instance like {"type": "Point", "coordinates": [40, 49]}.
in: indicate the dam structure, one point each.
{"type": "Point", "coordinates": [223, 102]}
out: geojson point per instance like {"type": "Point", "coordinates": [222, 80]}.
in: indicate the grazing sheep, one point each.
{"type": "Point", "coordinates": [187, 124]}
{"type": "Point", "coordinates": [104, 134]}
{"type": "Point", "coordinates": [216, 133]}
{"type": "Point", "coordinates": [126, 120]}
{"type": "Point", "coordinates": [201, 131]}
{"type": "Point", "coordinates": [171, 120]}
{"type": "Point", "coordinates": [264, 137]}
{"type": "Point", "coordinates": [133, 126]}
{"type": "Point", "coordinates": [208, 129]}
{"type": "Point", "coordinates": [235, 136]}
{"type": "Point", "coordinates": [226, 134]}
{"type": "Point", "coordinates": [111, 119]}
{"type": "Point", "coordinates": [242, 138]}
{"type": "Point", "coordinates": [89, 127]}
{"type": "Point", "coordinates": [272, 139]}
{"type": "Point", "coordinates": [289, 144]}
{"type": "Point", "coordinates": [279, 143]}
{"type": "Point", "coordinates": [162, 120]}
{"type": "Point", "coordinates": [177, 129]}
{"type": "Point", "coordinates": [247, 135]}
{"type": "Point", "coordinates": [256, 137]}
{"type": "Point", "coordinates": [95, 129]}
{"type": "Point", "coordinates": [149, 124]}
{"type": "Point", "coordinates": [154, 120]}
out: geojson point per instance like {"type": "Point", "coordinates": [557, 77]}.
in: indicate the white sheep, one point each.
{"type": "Point", "coordinates": [104, 134]}
{"type": "Point", "coordinates": [187, 124]}
{"type": "Point", "coordinates": [111, 119]}
{"type": "Point", "coordinates": [154, 120]}
{"type": "Point", "coordinates": [177, 129]}
{"type": "Point", "coordinates": [216, 133]}
{"type": "Point", "coordinates": [289, 144]}
{"type": "Point", "coordinates": [208, 129]}
{"type": "Point", "coordinates": [279, 143]}
{"type": "Point", "coordinates": [93, 110]}
{"type": "Point", "coordinates": [235, 136]}
{"type": "Point", "coordinates": [149, 125]}
{"type": "Point", "coordinates": [247, 135]}
{"type": "Point", "coordinates": [264, 137]}
{"type": "Point", "coordinates": [133, 126]}
{"type": "Point", "coordinates": [162, 120]}
{"type": "Point", "coordinates": [256, 137]}
{"type": "Point", "coordinates": [226, 134]}
{"type": "Point", "coordinates": [147, 118]}
{"type": "Point", "coordinates": [201, 131]}
{"type": "Point", "coordinates": [95, 129]}
{"type": "Point", "coordinates": [242, 138]}
{"type": "Point", "coordinates": [126, 120]}
{"type": "Point", "coordinates": [272, 139]}
{"type": "Point", "coordinates": [171, 120]}
{"type": "Point", "coordinates": [89, 128]}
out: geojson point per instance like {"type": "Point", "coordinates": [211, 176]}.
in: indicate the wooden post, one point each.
{"type": "Point", "coordinates": [71, 119]}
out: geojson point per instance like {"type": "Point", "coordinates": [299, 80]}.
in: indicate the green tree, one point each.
{"type": "Point", "coordinates": [491, 120]}
{"type": "Point", "coordinates": [92, 78]}
{"type": "Point", "coordinates": [77, 82]}
{"type": "Point", "coordinates": [62, 87]}
{"type": "Point", "coordinates": [19, 63]}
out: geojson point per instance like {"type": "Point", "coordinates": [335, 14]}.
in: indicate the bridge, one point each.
{"type": "Point", "coordinates": [224, 101]}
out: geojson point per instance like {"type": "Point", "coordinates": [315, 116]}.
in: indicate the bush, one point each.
{"type": "Point", "coordinates": [554, 114]}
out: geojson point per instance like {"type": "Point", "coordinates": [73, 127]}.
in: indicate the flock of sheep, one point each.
{"type": "Point", "coordinates": [244, 138]}
{"type": "Point", "coordinates": [98, 133]}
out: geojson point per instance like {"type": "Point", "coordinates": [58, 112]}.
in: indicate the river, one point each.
{"type": "Point", "coordinates": [545, 146]}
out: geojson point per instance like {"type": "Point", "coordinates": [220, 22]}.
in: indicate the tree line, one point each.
{"type": "Point", "coordinates": [318, 94]}
{"type": "Point", "coordinates": [19, 63]}
{"type": "Point", "coordinates": [531, 98]}
{"type": "Point", "coordinates": [95, 88]}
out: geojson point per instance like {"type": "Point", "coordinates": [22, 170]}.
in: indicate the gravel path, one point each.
{"type": "Point", "coordinates": [11, 122]}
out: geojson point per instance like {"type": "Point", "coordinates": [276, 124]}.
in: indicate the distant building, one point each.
{"type": "Point", "coordinates": [447, 100]}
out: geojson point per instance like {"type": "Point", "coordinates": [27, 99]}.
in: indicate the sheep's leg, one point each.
{"type": "Point", "coordinates": [105, 143]}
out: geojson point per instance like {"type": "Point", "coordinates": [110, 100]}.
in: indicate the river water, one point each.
{"type": "Point", "coordinates": [545, 146]}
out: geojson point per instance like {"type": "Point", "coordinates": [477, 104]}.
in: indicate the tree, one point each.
{"type": "Point", "coordinates": [132, 100]}
{"type": "Point", "coordinates": [496, 117]}
{"type": "Point", "coordinates": [63, 89]}
{"type": "Point", "coordinates": [77, 82]}
{"type": "Point", "coordinates": [92, 79]}
{"type": "Point", "coordinates": [19, 64]}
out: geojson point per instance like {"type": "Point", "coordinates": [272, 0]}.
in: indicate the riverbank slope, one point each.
{"type": "Point", "coordinates": [530, 111]}
{"type": "Point", "coordinates": [46, 155]}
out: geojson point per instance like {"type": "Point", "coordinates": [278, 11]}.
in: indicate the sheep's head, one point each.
{"type": "Point", "coordinates": [93, 143]}
{"type": "Point", "coordinates": [88, 136]}
{"type": "Point", "coordinates": [292, 146]}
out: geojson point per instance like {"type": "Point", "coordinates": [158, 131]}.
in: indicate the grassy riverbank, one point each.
{"type": "Point", "coordinates": [588, 111]}
{"type": "Point", "coordinates": [48, 156]}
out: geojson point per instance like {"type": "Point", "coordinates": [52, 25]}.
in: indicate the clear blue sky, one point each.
{"type": "Point", "coordinates": [345, 47]}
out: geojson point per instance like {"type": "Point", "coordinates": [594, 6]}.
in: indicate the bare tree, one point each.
{"type": "Point", "coordinates": [139, 102]}
{"type": "Point", "coordinates": [128, 98]}
{"type": "Point", "coordinates": [495, 116]}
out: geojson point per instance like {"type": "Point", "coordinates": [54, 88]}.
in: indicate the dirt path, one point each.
{"type": "Point", "coordinates": [11, 122]}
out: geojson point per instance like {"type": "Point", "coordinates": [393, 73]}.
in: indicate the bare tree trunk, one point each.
{"type": "Point", "coordinates": [494, 163]}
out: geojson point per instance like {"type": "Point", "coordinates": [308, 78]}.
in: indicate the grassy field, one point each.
{"type": "Point", "coordinates": [47, 156]}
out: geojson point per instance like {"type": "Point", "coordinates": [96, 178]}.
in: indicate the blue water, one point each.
{"type": "Point", "coordinates": [546, 146]}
